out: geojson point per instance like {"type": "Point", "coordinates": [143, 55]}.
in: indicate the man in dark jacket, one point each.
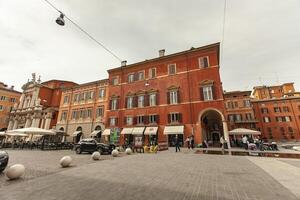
{"type": "Point", "coordinates": [177, 143]}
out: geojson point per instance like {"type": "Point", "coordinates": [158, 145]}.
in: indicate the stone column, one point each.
{"type": "Point", "coordinates": [28, 122]}
{"type": "Point", "coordinates": [34, 97]}
{"type": "Point", "coordinates": [43, 122]}
{"type": "Point", "coordinates": [226, 133]}
{"type": "Point", "coordinates": [22, 98]}
{"type": "Point", "coordinates": [36, 120]}
{"type": "Point", "coordinates": [48, 120]}
{"type": "Point", "coordinates": [15, 124]}
{"type": "Point", "coordinates": [10, 124]}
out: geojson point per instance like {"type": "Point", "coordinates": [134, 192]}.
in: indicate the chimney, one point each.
{"type": "Point", "coordinates": [123, 63]}
{"type": "Point", "coordinates": [161, 52]}
{"type": "Point", "coordinates": [12, 87]}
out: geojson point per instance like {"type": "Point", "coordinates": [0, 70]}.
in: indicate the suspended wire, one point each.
{"type": "Point", "coordinates": [223, 31]}
{"type": "Point", "coordinates": [84, 31]}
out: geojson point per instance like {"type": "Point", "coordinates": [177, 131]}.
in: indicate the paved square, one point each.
{"type": "Point", "coordinates": [166, 175]}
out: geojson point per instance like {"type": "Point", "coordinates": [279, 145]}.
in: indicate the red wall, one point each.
{"type": "Point", "coordinates": [188, 79]}
{"type": "Point", "coordinates": [294, 112]}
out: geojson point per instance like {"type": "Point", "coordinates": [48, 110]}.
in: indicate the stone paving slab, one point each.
{"type": "Point", "coordinates": [295, 163]}
{"type": "Point", "coordinates": [165, 175]}
{"type": "Point", "coordinates": [282, 171]}
{"type": "Point", "coordinates": [42, 163]}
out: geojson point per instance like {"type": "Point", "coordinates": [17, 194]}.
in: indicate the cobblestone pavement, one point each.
{"type": "Point", "coordinates": [166, 175]}
{"type": "Point", "coordinates": [41, 163]}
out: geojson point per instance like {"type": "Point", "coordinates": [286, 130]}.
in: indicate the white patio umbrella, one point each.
{"type": "Point", "coordinates": [12, 134]}
{"type": "Point", "coordinates": [244, 131]}
{"type": "Point", "coordinates": [32, 130]}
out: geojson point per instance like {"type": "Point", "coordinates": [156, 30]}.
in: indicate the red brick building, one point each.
{"type": "Point", "coordinates": [239, 110]}
{"type": "Point", "coordinates": [173, 94]}
{"type": "Point", "coordinates": [278, 111]}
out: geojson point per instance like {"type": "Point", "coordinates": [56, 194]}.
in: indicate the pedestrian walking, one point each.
{"type": "Point", "coordinates": [188, 142]}
{"type": "Point", "coordinates": [177, 145]}
{"type": "Point", "coordinates": [192, 141]}
{"type": "Point", "coordinates": [245, 142]}
{"type": "Point", "coordinates": [222, 141]}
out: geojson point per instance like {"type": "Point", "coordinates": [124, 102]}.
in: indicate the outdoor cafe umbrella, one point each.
{"type": "Point", "coordinates": [244, 131]}
{"type": "Point", "coordinates": [32, 130]}
{"type": "Point", "coordinates": [16, 134]}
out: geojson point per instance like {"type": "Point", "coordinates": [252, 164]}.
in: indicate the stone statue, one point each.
{"type": "Point", "coordinates": [33, 77]}
{"type": "Point", "coordinates": [39, 80]}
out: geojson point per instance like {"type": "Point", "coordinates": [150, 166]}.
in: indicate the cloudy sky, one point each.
{"type": "Point", "coordinates": [261, 40]}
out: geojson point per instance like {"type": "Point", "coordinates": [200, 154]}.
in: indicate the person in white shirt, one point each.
{"type": "Point", "coordinates": [245, 140]}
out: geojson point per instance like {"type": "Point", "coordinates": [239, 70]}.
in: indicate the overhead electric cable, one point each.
{"type": "Point", "coordinates": [84, 31]}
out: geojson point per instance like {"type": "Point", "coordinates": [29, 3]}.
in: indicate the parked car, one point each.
{"type": "Point", "coordinates": [3, 160]}
{"type": "Point", "coordinates": [90, 145]}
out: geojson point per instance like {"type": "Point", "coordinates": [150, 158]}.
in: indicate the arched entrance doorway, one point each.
{"type": "Point", "coordinates": [212, 129]}
{"type": "Point", "coordinates": [61, 134]}
{"type": "Point", "coordinates": [78, 136]}
{"type": "Point", "coordinates": [98, 132]}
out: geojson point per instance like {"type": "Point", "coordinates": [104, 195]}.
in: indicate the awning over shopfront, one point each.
{"type": "Point", "coordinates": [138, 130]}
{"type": "Point", "coordinates": [151, 130]}
{"type": "Point", "coordinates": [106, 132]}
{"type": "Point", "coordinates": [94, 133]}
{"type": "Point", "coordinates": [127, 131]}
{"type": "Point", "coordinates": [76, 133]}
{"type": "Point", "coordinates": [169, 130]}
{"type": "Point", "coordinates": [244, 131]}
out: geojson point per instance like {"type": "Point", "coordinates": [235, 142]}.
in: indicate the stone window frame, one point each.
{"type": "Point", "coordinates": [101, 94]}
{"type": "Point", "coordinates": [150, 75]}
{"type": "Point", "coordinates": [132, 77]}
{"type": "Point", "coordinates": [138, 75]}
{"type": "Point", "coordinates": [201, 62]}
{"type": "Point", "coordinates": [207, 84]}
{"type": "Point", "coordinates": [175, 68]}
{"type": "Point", "coordinates": [98, 113]}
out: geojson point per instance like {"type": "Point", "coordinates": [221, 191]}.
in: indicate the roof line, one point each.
{"type": "Point", "coordinates": [167, 56]}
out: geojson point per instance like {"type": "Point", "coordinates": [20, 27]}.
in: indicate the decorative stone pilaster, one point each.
{"type": "Point", "coordinates": [28, 121]}
{"type": "Point", "coordinates": [36, 120]}
{"type": "Point", "coordinates": [48, 120]}
{"type": "Point", "coordinates": [22, 98]}
{"type": "Point", "coordinates": [226, 133]}
{"type": "Point", "coordinates": [15, 126]}
{"type": "Point", "coordinates": [10, 124]}
{"type": "Point", "coordinates": [43, 122]}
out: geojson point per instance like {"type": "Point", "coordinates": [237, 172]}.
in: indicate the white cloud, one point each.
{"type": "Point", "coordinates": [261, 37]}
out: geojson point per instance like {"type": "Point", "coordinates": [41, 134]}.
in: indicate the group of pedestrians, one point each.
{"type": "Point", "coordinates": [190, 141]}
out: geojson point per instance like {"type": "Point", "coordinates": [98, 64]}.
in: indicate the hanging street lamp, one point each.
{"type": "Point", "coordinates": [60, 20]}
